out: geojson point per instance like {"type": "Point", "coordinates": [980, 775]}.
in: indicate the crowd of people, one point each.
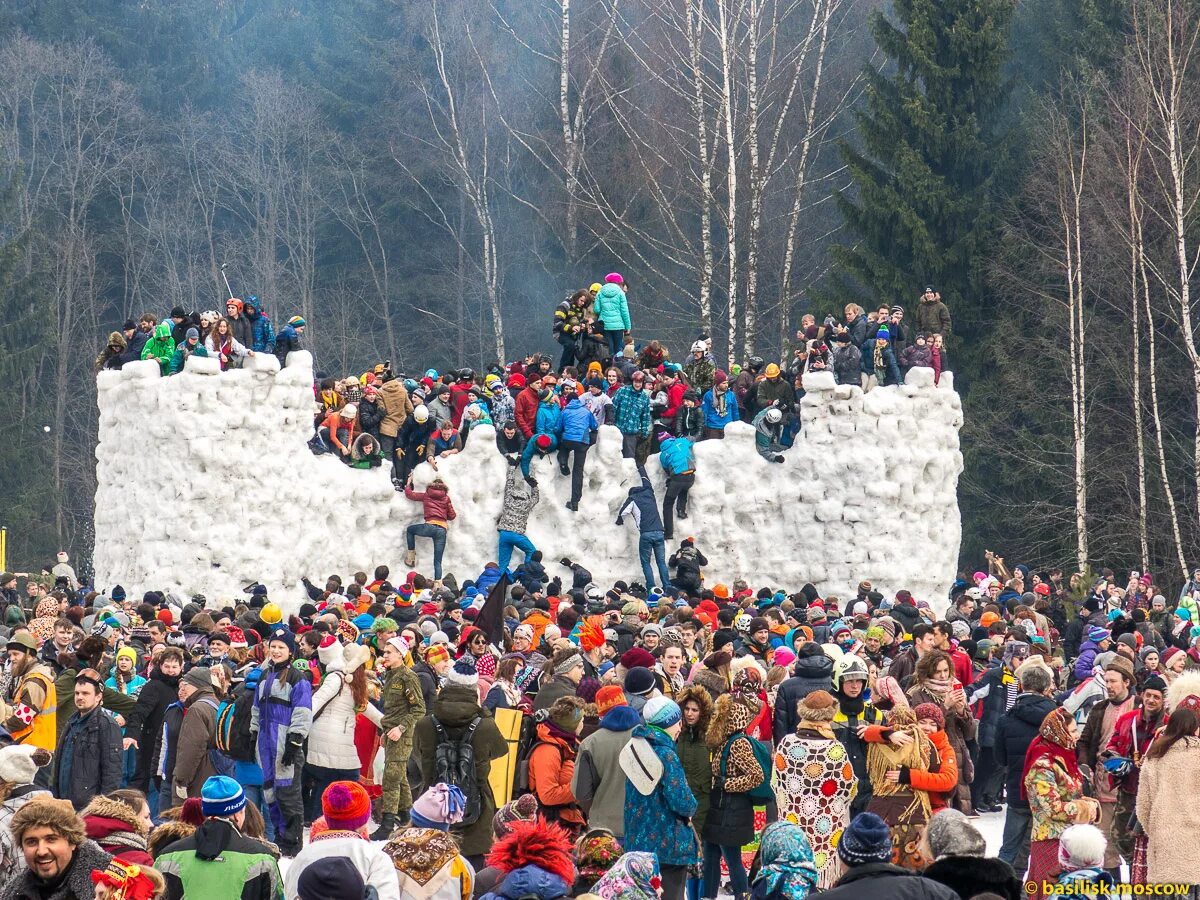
{"type": "Point", "coordinates": [687, 741]}
{"type": "Point", "coordinates": [529, 733]}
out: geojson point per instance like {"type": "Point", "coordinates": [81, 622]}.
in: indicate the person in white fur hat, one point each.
{"type": "Point", "coordinates": [1081, 855]}
{"type": "Point", "coordinates": [19, 764]}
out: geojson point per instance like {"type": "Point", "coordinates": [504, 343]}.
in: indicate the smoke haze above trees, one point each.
{"type": "Point", "coordinates": [424, 181]}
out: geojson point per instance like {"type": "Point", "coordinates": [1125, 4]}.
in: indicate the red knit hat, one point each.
{"type": "Point", "coordinates": [166, 617]}
{"type": "Point", "coordinates": [237, 637]}
{"type": "Point", "coordinates": [346, 806]}
{"type": "Point", "coordinates": [609, 696]}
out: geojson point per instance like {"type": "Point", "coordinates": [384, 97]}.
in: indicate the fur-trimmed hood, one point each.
{"type": "Point", "coordinates": [1186, 684]}
{"type": "Point", "coordinates": [699, 695]}
{"type": "Point", "coordinates": [115, 811]}
{"type": "Point", "coordinates": [968, 876]}
{"type": "Point", "coordinates": [730, 715]}
{"type": "Point", "coordinates": [714, 683]}
{"type": "Point", "coordinates": [167, 834]}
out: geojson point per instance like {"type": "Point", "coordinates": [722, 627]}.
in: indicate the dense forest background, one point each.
{"type": "Point", "coordinates": [425, 181]}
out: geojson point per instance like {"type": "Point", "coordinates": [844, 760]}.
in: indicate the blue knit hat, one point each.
{"type": "Point", "coordinates": [221, 796]}
{"type": "Point", "coordinates": [866, 839]}
{"type": "Point", "coordinates": [661, 712]}
{"type": "Point", "coordinates": [1096, 634]}
{"type": "Point", "coordinates": [364, 622]}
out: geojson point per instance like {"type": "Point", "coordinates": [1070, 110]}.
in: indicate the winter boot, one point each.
{"type": "Point", "coordinates": [410, 558]}
{"type": "Point", "coordinates": [385, 829]}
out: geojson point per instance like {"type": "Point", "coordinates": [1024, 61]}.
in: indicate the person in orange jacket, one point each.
{"type": "Point", "coordinates": [552, 764]}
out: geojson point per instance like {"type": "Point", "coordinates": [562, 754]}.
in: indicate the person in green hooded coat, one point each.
{"type": "Point", "coordinates": [161, 346]}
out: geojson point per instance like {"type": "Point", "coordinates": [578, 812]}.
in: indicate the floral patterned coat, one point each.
{"type": "Point", "coordinates": [661, 823]}
{"type": "Point", "coordinates": [814, 784]}
{"type": "Point", "coordinates": [1052, 798]}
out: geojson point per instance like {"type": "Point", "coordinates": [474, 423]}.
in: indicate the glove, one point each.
{"type": "Point", "coordinates": [778, 459]}
{"type": "Point", "coordinates": [292, 751]}
{"type": "Point", "coordinates": [531, 481]}
{"type": "Point", "coordinates": [181, 791]}
{"type": "Point", "coordinates": [620, 520]}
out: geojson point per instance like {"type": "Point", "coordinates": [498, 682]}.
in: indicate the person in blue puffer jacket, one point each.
{"type": "Point", "coordinates": [579, 428]}
{"type": "Point", "coordinates": [678, 460]}
{"type": "Point", "coordinates": [547, 430]}
{"type": "Point", "coordinates": [612, 309]}
{"type": "Point", "coordinates": [720, 407]}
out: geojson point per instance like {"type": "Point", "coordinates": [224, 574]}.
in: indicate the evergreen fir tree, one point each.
{"type": "Point", "coordinates": [932, 160]}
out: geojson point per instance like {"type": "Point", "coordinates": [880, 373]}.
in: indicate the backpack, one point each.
{"type": "Point", "coordinates": [527, 740]}
{"type": "Point", "coordinates": [233, 727]}
{"type": "Point", "coordinates": [454, 763]}
{"type": "Point", "coordinates": [762, 754]}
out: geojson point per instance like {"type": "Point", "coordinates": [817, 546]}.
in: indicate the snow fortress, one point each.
{"type": "Point", "coordinates": [206, 484]}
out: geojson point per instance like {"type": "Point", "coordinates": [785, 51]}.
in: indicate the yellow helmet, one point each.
{"type": "Point", "coordinates": [595, 288]}
{"type": "Point", "coordinates": [772, 371]}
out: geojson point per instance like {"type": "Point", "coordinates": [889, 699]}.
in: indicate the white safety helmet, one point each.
{"type": "Point", "coordinates": [975, 593]}
{"type": "Point", "coordinates": [848, 668]}
{"type": "Point", "coordinates": [774, 416]}
{"type": "Point", "coordinates": [421, 413]}
{"type": "Point", "coordinates": [699, 347]}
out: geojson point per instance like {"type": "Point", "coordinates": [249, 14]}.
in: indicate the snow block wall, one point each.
{"type": "Point", "coordinates": [206, 484]}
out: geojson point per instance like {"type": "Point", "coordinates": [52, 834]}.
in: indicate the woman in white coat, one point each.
{"type": "Point", "coordinates": [1168, 784]}
{"type": "Point", "coordinates": [336, 705]}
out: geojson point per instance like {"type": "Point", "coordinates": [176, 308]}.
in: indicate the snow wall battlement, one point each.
{"type": "Point", "coordinates": [205, 484]}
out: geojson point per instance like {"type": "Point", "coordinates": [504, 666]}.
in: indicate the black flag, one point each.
{"type": "Point", "coordinates": [491, 615]}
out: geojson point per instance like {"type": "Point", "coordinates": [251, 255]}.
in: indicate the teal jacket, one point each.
{"type": "Point", "coordinates": [612, 309]}
{"type": "Point", "coordinates": [660, 823]}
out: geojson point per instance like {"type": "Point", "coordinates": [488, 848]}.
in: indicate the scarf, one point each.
{"type": "Point", "coordinates": [720, 401]}
{"type": "Point", "coordinates": [824, 729]}
{"type": "Point", "coordinates": [569, 737]}
{"type": "Point", "coordinates": [1054, 740]}
{"type": "Point", "coordinates": [877, 362]}
{"type": "Point", "coordinates": [634, 876]}
{"type": "Point", "coordinates": [939, 686]}
{"type": "Point", "coordinates": [511, 693]}
{"type": "Point", "coordinates": [786, 865]}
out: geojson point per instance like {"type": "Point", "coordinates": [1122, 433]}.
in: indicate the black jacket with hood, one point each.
{"type": "Point", "coordinates": [810, 673]}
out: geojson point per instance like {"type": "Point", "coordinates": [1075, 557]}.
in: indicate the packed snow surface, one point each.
{"type": "Point", "coordinates": [206, 484]}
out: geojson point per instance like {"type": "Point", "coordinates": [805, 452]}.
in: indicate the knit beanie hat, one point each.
{"type": "Point", "coordinates": [346, 806]}
{"type": "Point", "coordinates": [866, 839]}
{"type": "Point", "coordinates": [608, 697]}
{"type": "Point", "coordinates": [640, 680]}
{"type": "Point", "coordinates": [1096, 634]}
{"type": "Point", "coordinates": [283, 636]}
{"type": "Point", "coordinates": [221, 796]}
{"type": "Point", "coordinates": [463, 672]}
{"type": "Point", "coordinates": [19, 763]}
{"type": "Point", "coordinates": [437, 653]}
{"type": "Point", "coordinates": [1081, 847]}
{"type": "Point", "coordinates": [199, 677]}
{"type": "Point", "coordinates": [950, 833]}
{"type": "Point", "coordinates": [931, 711]}
{"type": "Point", "coordinates": [439, 807]}
{"type": "Point", "coordinates": [662, 712]}
{"type": "Point", "coordinates": [523, 809]}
